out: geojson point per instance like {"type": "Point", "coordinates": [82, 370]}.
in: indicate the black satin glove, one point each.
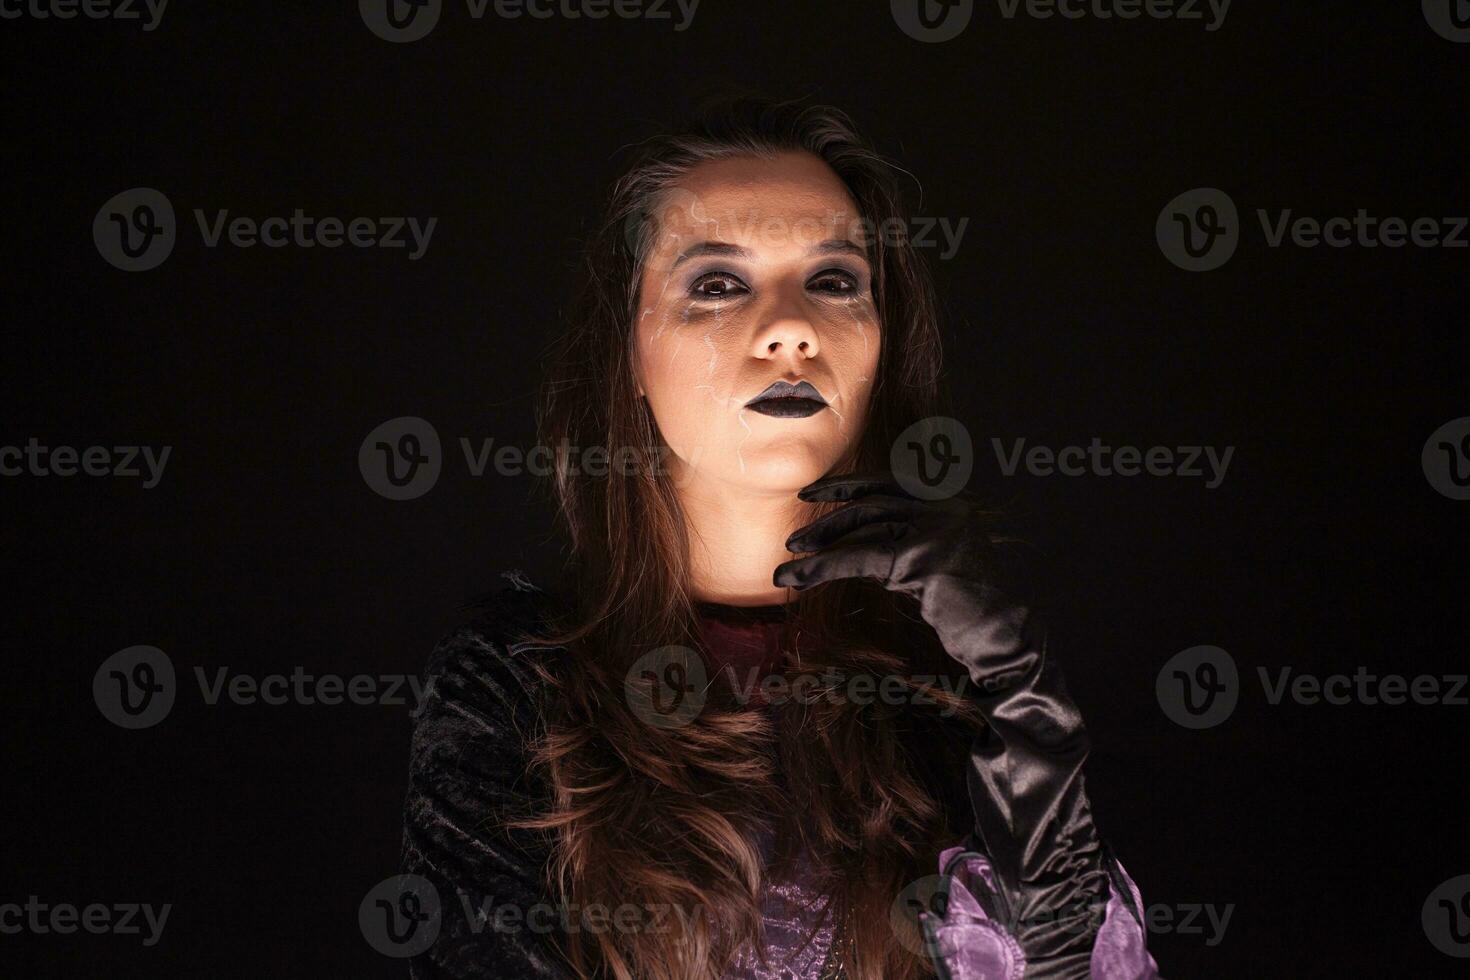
{"type": "Point", "coordinates": [1025, 777]}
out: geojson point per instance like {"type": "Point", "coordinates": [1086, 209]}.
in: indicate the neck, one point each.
{"type": "Point", "coordinates": [737, 537]}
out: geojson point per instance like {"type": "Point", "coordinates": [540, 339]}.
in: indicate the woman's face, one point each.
{"type": "Point", "coordinates": [758, 275]}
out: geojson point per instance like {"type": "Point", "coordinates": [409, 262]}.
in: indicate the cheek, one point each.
{"type": "Point", "coordinates": [852, 340]}
{"type": "Point", "coordinates": [686, 360]}
{"type": "Point", "coordinates": [852, 343]}
{"type": "Point", "coordinates": [690, 346]}
{"type": "Point", "coordinates": [656, 333]}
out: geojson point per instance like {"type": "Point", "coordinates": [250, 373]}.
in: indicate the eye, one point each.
{"type": "Point", "coordinates": [716, 286]}
{"type": "Point", "coordinates": [836, 282]}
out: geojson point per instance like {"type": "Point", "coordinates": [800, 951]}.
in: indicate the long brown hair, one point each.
{"type": "Point", "coordinates": [667, 817]}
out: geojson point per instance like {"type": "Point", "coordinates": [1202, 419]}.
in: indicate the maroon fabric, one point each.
{"type": "Point", "coordinates": [737, 639]}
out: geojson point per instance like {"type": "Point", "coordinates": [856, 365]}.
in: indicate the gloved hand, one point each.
{"type": "Point", "coordinates": [1025, 777]}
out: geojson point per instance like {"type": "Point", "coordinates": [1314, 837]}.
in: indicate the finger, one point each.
{"type": "Point", "coordinates": [828, 528]}
{"type": "Point", "coordinates": [866, 553]}
{"type": "Point", "coordinates": [850, 486]}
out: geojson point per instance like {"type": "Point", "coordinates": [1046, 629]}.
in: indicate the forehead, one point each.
{"type": "Point", "coordinates": [762, 202]}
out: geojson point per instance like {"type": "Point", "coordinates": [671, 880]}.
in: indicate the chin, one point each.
{"type": "Point", "coordinates": [787, 468]}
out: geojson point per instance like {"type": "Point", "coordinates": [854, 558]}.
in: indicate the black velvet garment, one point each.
{"type": "Point", "coordinates": [467, 772]}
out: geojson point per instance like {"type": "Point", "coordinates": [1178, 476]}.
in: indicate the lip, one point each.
{"type": "Point", "coordinates": [784, 400]}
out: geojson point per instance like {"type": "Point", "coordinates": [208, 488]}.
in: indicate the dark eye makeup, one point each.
{"type": "Point", "coordinates": [720, 286]}
{"type": "Point", "coordinates": [717, 286]}
{"type": "Point", "coordinates": [838, 282]}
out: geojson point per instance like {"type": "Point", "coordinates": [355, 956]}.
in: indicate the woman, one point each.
{"type": "Point", "coordinates": [778, 687]}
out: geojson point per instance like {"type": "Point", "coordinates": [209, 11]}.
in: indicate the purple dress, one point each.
{"type": "Point", "coordinates": [798, 930]}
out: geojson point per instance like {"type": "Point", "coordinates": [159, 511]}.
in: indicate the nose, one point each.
{"type": "Point", "coordinates": [786, 333]}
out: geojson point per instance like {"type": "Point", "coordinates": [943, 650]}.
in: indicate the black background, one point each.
{"type": "Point", "coordinates": [1325, 548]}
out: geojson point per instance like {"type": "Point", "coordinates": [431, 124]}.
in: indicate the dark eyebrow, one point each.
{"type": "Point", "coordinates": [710, 248]}
{"type": "Point", "coordinates": [833, 246]}
{"type": "Point", "coordinates": [839, 246]}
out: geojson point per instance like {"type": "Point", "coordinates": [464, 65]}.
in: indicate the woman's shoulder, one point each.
{"type": "Point", "coordinates": [470, 755]}
{"type": "Point", "coordinates": [490, 661]}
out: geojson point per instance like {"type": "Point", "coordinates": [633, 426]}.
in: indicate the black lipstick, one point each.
{"type": "Point", "coordinates": [784, 400]}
